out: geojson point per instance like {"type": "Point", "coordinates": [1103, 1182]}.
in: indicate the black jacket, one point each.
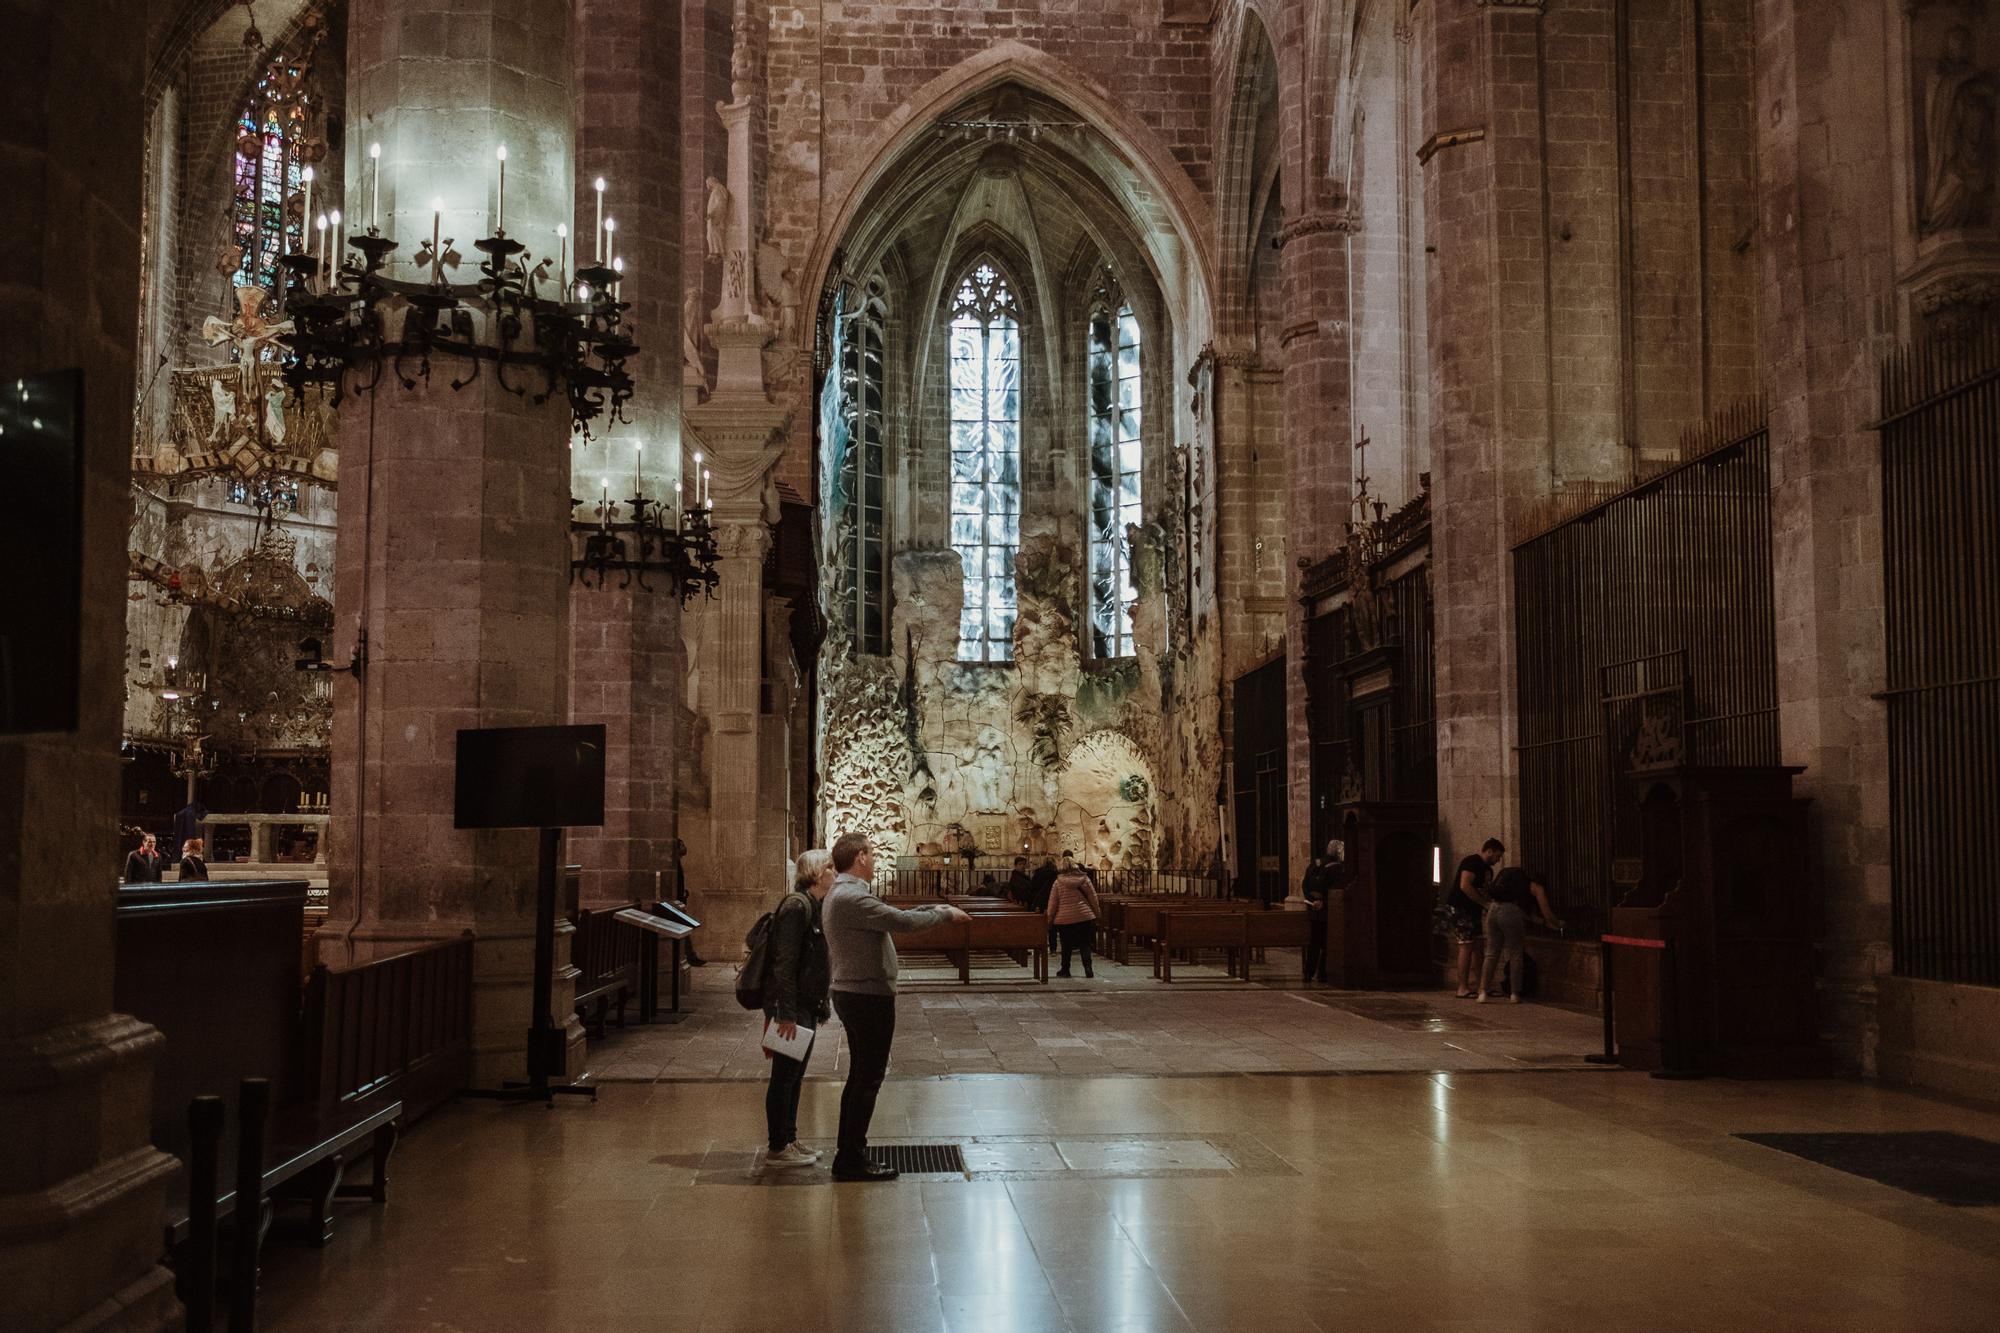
{"type": "Point", "coordinates": [1043, 881]}
{"type": "Point", "coordinates": [801, 972]}
{"type": "Point", "coordinates": [142, 869]}
{"type": "Point", "coordinates": [194, 870]}
{"type": "Point", "coordinates": [1020, 888]}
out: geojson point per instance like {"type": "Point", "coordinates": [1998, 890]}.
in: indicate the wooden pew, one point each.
{"type": "Point", "coordinates": [998, 927]}
{"type": "Point", "coordinates": [1138, 919]}
{"type": "Point", "coordinates": [605, 952]}
{"type": "Point", "coordinates": [215, 968]}
{"type": "Point", "coordinates": [1274, 930]}
{"type": "Point", "coordinates": [1182, 928]}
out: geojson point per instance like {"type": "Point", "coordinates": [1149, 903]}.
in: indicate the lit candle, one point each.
{"type": "Point", "coordinates": [678, 511]}
{"type": "Point", "coordinates": [333, 260]}
{"type": "Point", "coordinates": [319, 242]}
{"type": "Point", "coordinates": [707, 489]}
{"type": "Point", "coordinates": [437, 223]}
{"type": "Point", "coordinates": [305, 218]}
{"type": "Point", "coordinates": [500, 202]}
{"type": "Point", "coordinates": [618, 284]}
{"type": "Point", "coordinates": [562, 260]}
{"type": "Point", "coordinates": [610, 240]}
{"type": "Point", "coordinates": [374, 187]}
{"type": "Point", "coordinates": [600, 219]}
{"type": "Point", "coordinates": [639, 468]}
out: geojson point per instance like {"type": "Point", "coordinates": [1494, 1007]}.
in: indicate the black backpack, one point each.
{"type": "Point", "coordinates": [755, 973]}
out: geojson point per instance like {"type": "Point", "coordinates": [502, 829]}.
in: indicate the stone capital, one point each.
{"type": "Point", "coordinates": [1343, 221]}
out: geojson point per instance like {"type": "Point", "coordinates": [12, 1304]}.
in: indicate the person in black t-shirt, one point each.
{"type": "Point", "coordinates": [1507, 931]}
{"type": "Point", "coordinates": [1465, 911]}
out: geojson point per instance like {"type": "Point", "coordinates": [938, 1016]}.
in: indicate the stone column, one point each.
{"type": "Point", "coordinates": [1821, 229]}
{"type": "Point", "coordinates": [1319, 471]}
{"type": "Point", "coordinates": [1484, 231]}
{"type": "Point", "coordinates": [739, 434]}
{"type": "Point", "coordinates": [81, 1186]}
{"type": "Point", "coordinates": [739, 429]}
{"type": "Point", "coordinates": [626, 666]}
{"type": "Point", "coordinates": [453, 537]}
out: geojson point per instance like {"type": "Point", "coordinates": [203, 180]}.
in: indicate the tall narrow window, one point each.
{"type": "Point", "coordinates": [986, 460]}
{"type": "Point", "coordinates": [1116, 461]}
{"type": "Point", "coordinates": [269, 135]}
{"type": "Point", "coordinates": [861, 373]}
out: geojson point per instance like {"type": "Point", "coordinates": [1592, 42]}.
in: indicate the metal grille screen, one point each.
{"type": "Point", "coordinates": [1941, 567]}
{"type": "Point", "coordinates": [1671, 574]}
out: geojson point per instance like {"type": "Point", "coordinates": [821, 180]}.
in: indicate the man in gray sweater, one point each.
{"type": "Point", "coordinates": [858, 926]}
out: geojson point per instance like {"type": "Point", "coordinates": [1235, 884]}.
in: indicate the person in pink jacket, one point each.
{"type": "Point", "coordinates": [1073, 912]}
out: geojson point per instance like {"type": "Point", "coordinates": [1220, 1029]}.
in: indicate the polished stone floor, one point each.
{"type": "Point", "coordinates": [1598, 1200]}
{"type": "Point", "coordinates": [1124, 1022]}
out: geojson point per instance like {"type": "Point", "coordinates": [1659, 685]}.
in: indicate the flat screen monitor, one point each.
{"type": "Point", "coordinates": [530, 777]}
{"type": "Point", "coordinates": [41, 449]}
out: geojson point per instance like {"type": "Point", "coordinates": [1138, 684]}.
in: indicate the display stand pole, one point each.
{"type": "Point", "coordinates": [1610, 1055]}
{"type": "Point", "coordinates": [545, 1038]}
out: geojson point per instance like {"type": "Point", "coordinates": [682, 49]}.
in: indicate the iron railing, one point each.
{"type": "Point", "coordinates": [1670, 574]}
{"type": "Point", "coordinates": [928, 877]}
{"type": "Point", "coordinates": [1941, 574]}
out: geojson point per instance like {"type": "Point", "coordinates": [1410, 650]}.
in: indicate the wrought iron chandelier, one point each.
{"type": "Point", "coordinates": [679, 544]}
{"type": "Point", "coordinates": [350, 318]}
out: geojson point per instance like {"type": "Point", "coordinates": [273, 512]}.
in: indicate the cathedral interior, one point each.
{"type": "Point", "coordinates": [505, 478]}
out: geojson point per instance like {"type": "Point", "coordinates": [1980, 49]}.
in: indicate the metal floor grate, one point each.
{"type": "Point", "coordinates": [920, 1159]}
{"type": "Point", "coordinates": [1951, 1168]}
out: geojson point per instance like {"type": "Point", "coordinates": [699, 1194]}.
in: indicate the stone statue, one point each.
{"type": "Point", "coordinates": [715, 219]}
{"type": "Point", "coordinates": [775, 285]}
{"type": "Point", "coordinates": [741, 74]}
{"type": "Point", "coordinates": [691, 331]}
{"type": "Point", "coordinates": [224, 423]}
{"type": "Point", "coordinates": [274, 415]}
{"type": "Point", "coordinates": [1958, 137]}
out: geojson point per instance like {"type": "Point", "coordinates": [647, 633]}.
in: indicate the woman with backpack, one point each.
{"type": "Point", "coordinates": [795, 993]}
{"type": "Point", "coordinates": [1073, 912]}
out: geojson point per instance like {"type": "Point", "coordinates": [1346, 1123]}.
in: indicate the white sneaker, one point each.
{"type": "Point", "coordinates": [791, 1155]}
{"type": "Point", "coordinates": [1513, 999]}
{"type": "Point", "coordinates": [1481, 999]}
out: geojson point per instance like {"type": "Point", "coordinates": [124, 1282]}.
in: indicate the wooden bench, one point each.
{"type": "Point", "coordinates": [1193, 929]}
{"type": "Point", "coordinates": [1278, 929]}
{"type": "Point", "coordinates": [1137, 921]}
{"type": "Point", "coordinates": [605, 951]}
{"type": "Point", "coordinates": [997, 927]}
{"type": "Point", "coordinates": [380, 1044]}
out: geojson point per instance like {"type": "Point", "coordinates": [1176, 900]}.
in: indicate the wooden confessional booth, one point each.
{"type": "Point", "coordinates": [1722, 878]}
{"type": "Point", "coordinates": [1370, 693]}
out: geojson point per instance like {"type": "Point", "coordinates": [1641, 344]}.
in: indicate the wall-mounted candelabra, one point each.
{"type": "Point", "coordinates": [674, 542]}
{"type": "Point", "coordinates": [528, 320]}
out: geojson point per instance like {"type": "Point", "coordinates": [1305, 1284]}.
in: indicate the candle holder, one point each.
{"type": "Point", "coordinates": [352, 324]}
{"type": "Point", "coordinates": [685, 551]}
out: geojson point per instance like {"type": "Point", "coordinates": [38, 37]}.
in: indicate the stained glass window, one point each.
{"type": "Point", "coordinates": [268, 136]}
{"type": "Point", "coordinates": [986, 460]}
{"type": "Point", "coordinates": [862, 389]}
{"type": "Point", "coordinates": [1117, 459]}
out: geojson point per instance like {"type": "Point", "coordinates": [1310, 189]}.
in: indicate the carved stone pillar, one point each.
{"type": "Point", "coordinates": [456, 567]}
{"type": "Point", "coordinates": [741, 864]}
{"type": "Point", "coordinates": [1319, 471]}
{"type": "Point", "coordinates": [626, 667]}
{"type": "Point", "coordinates": [81, 1187]}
